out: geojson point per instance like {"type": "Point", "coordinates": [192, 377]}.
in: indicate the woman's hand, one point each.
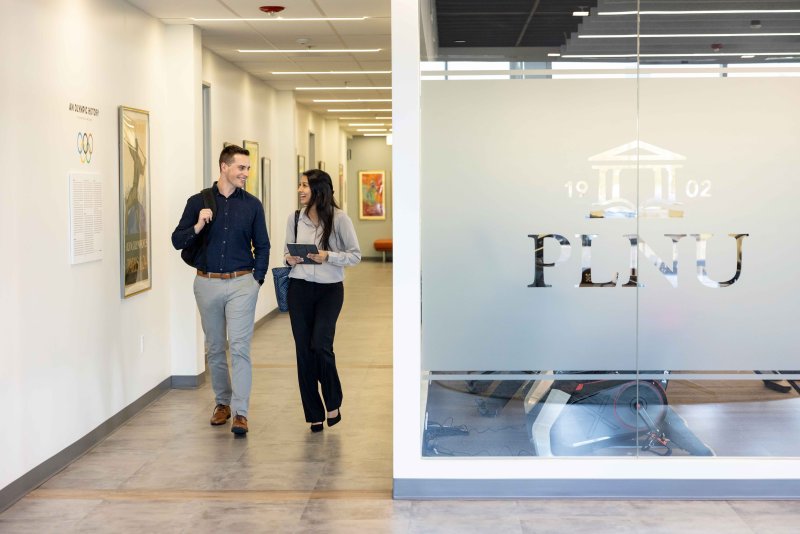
{"type": "Point", "coordinates": [293, 260]}
{"type": "Point", "coordinates": [322, 257]}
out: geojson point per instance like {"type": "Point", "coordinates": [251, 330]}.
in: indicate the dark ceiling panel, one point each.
{"type": "Point", "coordinates": [488, 23]}
{"type": "Point", "coordinates": [687, 31]}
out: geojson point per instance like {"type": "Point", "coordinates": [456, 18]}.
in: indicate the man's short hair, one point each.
{"type": "Point", "coordinates": [227, 154]}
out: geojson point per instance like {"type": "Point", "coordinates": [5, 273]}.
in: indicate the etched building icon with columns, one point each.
{"type": "Point", "coordinates": [627, 158]}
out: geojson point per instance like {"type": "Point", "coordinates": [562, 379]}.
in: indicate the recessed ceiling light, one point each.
{"type": "Point", "coordinates": [357, 110]}
{"type": "Point", "coordinates": [280, 19]}
{"type": "Point", "coordinates": [341, 100]}
{"type": "Point", "coordinates": [343, 88]}
{"type": "Point", "coordinates": [336, 72]}
{"type": "Point", "coordinates": [581, 13]}
{"type": "Point", "coordinates": [311, 50]}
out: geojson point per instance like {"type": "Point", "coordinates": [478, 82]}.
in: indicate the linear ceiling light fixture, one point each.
{"type": "Point", "coordinates": [311, 51]}
{"type": "Point", "coordinates": [343, 88]}
{"type": "Point", "coordinates": [280, 19]}
{"type": "Point", "coordinates": [670, 35]}
{"type": "Point", "coordinates": [343, 100]}
{"type": "Point", "coordinates": [701, 12]}
{"type": "Point", "coordinates": [357, 110]}
{"type": "Point", "coordinates": [336, 72]}
{"type": "Point", "coordinates": [367, 124]}
{"type": "Point", "coordinates": [371, 130]}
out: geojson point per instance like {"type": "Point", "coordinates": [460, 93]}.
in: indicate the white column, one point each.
{"type": "Point", "coordinates": [284, 170]}
{"type": "Point", "coordinates": [183, 136]}
{"type": "Point", "coordinates": [406, 257]}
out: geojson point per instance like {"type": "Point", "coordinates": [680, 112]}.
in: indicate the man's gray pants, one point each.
{"type": "Point", "coordinates": [227, 310]}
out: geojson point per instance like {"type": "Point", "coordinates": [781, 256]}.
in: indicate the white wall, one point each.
{"type": "Point", "coordinates": [369, 154]}
{"type": "Point", "coordinates": [185, 168]}
{"type": "Point", "coordinates": [328, 140]}
{"type": "Point", "coordinates": [71, 355]}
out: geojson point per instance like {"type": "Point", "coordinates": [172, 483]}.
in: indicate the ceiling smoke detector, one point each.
{"type": "Point", "coordinates": [271, 10]}
{"type": "Point", "coordinates": [716, 47]}
{"type": "Point", "coordinates": [303, 41]}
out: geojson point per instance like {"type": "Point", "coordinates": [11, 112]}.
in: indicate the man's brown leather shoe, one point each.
{"type": "Point", "coordinates": [239, 425]}
{"type": "Point", "coordinates": [221, 414]}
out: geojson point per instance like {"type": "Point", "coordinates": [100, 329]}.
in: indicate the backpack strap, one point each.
{"type": "Point", "coordinates": [210, 203]}
{"type": "Point", "coordinates": [296, 218]}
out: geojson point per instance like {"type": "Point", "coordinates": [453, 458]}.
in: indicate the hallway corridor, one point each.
{"type": "Point", "coordinates": [168, 471]}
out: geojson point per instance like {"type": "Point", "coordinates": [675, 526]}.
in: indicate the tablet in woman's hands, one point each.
{"type": "Point", "coordinates": [303, 250]}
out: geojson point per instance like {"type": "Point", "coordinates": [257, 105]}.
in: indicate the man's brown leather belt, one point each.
{"type": "Point", "coordinates": [224, 276]}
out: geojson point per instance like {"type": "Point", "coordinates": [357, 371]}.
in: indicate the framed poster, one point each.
{"type": "Point", "coordinates": [371, 195]}
{"type": "Point", "coordinates": [253, 184]}
{"type": "Point", "coordinates": [134, 200]}
{"type": "Point", "coordinates": [266, 187]}
{"type": "Point", "coordinates": [342, 193]}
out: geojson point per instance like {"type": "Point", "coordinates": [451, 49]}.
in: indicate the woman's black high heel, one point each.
{"type": "Point", "coordinates": [333, 420]}
{"type": "Point", "coordinates": [317, 427]}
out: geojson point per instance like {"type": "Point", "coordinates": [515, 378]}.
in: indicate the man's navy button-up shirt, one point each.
{"type": "Point", "coordinates": [237, 236]}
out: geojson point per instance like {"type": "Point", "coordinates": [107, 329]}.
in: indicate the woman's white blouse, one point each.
{"type": "Point", "coordinates": [344, 250]}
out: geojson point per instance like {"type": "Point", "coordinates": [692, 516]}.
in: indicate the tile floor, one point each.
{"type": "Point", "coordinates": [167, 470]}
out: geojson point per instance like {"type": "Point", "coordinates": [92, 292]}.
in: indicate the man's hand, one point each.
{"type": "Point", "coordinates": [202, 219]}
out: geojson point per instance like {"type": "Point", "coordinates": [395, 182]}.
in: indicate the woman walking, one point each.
{"type": "Point", "coordinates": [316, 293]}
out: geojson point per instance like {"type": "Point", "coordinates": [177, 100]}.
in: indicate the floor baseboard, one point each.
{"type": "Point", "coordinates": [41, 473]}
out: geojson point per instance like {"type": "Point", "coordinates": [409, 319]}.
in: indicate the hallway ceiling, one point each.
{"type": "Point", "coordinates": [491, 30]}
{"type": "Point", "coordinates": [225, 38]}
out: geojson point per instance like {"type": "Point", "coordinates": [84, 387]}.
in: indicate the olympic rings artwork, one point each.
{"type": "Point", "coordinates": [85, 145]}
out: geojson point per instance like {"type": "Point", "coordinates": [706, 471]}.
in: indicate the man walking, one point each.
{"type": "Point", "coordinates": [231, 262]}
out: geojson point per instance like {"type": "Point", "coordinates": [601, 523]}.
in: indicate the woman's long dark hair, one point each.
{"type": "Point", "coordinates": [322, 197]}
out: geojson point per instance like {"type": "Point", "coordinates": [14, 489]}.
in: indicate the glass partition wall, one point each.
{"type": "Point", "coordinates": [607, 266]}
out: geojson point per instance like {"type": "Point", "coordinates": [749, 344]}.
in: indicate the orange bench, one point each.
{"type": "Point", "coordinates": [383, 246]}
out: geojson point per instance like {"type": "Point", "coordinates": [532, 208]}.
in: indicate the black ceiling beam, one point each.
{"type": "Point", "coordinates": [527, 22]}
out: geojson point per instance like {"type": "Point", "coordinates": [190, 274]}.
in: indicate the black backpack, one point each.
{"type": "Point", "coordinates": [191, 253]}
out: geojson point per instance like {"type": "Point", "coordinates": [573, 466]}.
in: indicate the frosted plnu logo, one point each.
{"type": "Point", "coordinates": [635, 159]}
